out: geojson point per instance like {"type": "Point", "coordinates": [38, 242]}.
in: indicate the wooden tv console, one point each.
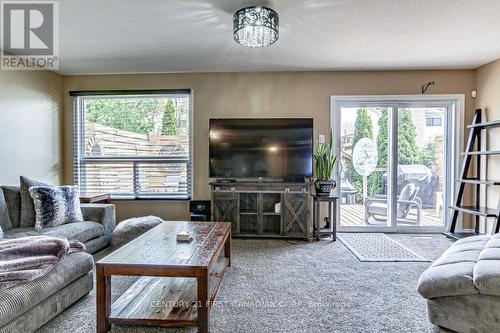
{"type": "Point", "coordinates": [251, 208]}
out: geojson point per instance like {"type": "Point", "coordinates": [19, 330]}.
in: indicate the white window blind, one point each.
{"type": "Point", "coordinates": [133, 144]}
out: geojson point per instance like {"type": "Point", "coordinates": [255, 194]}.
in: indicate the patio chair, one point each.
{"type": "Point", "coordinates": [376, 207]}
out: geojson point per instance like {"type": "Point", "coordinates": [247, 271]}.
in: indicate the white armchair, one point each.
{"type": "Point", "coordinates": [376, 207]}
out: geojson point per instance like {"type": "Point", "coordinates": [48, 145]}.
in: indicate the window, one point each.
{"type": "Point", "coordinates": [133, 144]}
{"type": "Point", "coordinates": [433, 121]}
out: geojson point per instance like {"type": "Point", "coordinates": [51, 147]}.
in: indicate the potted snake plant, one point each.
{"type": "Point", "coordinates": [325, 163]}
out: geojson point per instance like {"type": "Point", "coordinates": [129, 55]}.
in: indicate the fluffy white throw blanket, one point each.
{"type": "Point", "coordinates": [28, 258]}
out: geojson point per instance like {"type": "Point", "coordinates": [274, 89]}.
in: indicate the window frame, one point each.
{"type": "Point", "coordinates": [456, 124]}
{"type": "Point", "coordinates": [79, 143]}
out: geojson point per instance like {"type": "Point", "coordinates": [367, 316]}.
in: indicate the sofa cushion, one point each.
{"type": "Point", "coordinates": [12, 196]}
{"type": "Point", "coordinates": [82, 231]}
{"type": "Point", "coordinates": [4, 214]}
{"type": "Point", "coordinates": [487, 270]}
{"type": "Point", "coordinates": [96, 244]}
{"type": "Point", "coordinates": [27, 207]}
{"type": "Point", "coordinates": [56, 205]}
{"type": "Point", "coordinates": [469, 266]}
{"type": "Point", "coordinates": [17, 300]}
{"type": "Point", "coordinates": [450, 279]}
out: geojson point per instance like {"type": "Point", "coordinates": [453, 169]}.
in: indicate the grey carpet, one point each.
{"type": "Point", "coordinates": [378, 247]}
{"type": "Point", "coordinates": [280, 286]}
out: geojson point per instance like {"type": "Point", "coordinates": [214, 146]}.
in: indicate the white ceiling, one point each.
{"type": "Point", "coordinates": [136, 36]}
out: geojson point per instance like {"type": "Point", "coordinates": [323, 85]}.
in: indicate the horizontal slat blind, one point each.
{"type": "Point", "coordinates": [133, 146]}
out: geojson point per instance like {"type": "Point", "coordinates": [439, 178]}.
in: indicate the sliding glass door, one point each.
{"type": "Point", "coordinates": [421, 169]}
{"type": "Point", "coordinates": [395, 163]}
{"type": "Point", "coordinates": [364, 157]}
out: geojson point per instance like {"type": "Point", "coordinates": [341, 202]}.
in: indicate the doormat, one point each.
{"type": "Point", "coordinates": [378, 247]}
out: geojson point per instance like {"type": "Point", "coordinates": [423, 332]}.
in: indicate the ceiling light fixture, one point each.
{"type": "Point", "coordinates": [256, 26]}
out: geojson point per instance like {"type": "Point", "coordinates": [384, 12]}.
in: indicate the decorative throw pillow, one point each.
{"type": "Point", "coordinates": [56, 205]}
{"type": "Point", "coordinates": [4, 213]}
{"type": "Point", "coordinates": [12, 196]}
{"type": "Point", "coordinates": [27, 208]}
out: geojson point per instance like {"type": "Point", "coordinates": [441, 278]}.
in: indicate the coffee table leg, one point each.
{"type": "Point", "coordinates": [203, 299]}
{"type": "Point", "coordinates": [227, 248]}
{"type": "Point", "coordinates": [103, 302]}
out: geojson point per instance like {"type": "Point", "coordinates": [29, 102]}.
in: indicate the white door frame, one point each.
{"type": "Point", "coordinates": [455, 116]}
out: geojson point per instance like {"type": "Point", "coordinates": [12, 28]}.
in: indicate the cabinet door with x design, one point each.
{"type": "Point", "coordinates": [225, 209]}
{"type": "Point", "coordinates": [295, 214]}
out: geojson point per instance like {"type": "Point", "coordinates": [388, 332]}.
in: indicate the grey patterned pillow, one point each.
{"type": "Point", "coordinates": [55, 205]}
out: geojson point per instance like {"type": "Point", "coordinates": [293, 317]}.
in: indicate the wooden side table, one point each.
{"type": "Point", "coordinates": [96, 198]}
{"type": "Point", "coordinates": [332, 216]}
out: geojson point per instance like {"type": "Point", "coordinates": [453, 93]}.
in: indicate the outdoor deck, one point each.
{"type": "Point", "coordinates": [354, 215]}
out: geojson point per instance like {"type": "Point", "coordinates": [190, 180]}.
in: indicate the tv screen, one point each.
{"type": "Point", "coordinates": [261, 148]}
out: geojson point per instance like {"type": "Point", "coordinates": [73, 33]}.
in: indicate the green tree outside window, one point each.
{"type": "Point", "coordinates": [170, 122]}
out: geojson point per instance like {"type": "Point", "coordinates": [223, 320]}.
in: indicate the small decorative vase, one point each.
{"type": "Point", "coordinates": [324, 187]}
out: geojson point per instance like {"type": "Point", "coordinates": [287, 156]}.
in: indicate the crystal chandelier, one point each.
{"type": "Point", "coordinates": [256, 26]}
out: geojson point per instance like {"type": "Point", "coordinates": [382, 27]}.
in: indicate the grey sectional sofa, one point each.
{"type": "Point", "coordinates": [27, 307]}
{"type": "Point", "coordinates": [95, 232]}
{"type": "Point", "coordinates": [462, 287]}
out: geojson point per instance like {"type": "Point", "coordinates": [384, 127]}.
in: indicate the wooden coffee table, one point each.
{"type": "Point", "coordinates": [178, 283]}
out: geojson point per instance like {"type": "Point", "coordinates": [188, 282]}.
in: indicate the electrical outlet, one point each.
{"type": "Point", "coordinates": [321, 139]}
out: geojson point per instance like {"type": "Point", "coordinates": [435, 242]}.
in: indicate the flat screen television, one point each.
{"type": "Point", "coordinates": [266, 148]}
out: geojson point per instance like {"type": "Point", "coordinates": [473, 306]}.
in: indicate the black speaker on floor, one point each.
{"type": "Point", "coordinates": [199, 210]}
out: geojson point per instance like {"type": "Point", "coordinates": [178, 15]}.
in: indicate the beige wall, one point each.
{"type": "Point", "coordinates": [30, 126]}
{"type": "Point", "coordinates": [488, 99]}
{"type": "Point", "coordinates": [269, 94]}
